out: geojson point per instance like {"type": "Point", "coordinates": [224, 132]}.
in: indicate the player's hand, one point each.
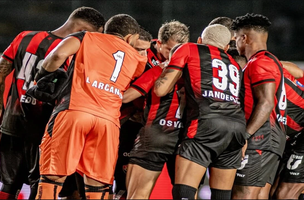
{"type": "Point", "coordinates": [244, 150]}
{"type": "Point", "coordinates": [164, 64]}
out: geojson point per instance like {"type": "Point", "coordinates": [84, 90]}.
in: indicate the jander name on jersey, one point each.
{"type": "Point", "coordinates": [219, 95]}
{"type": "Point", "coordinates": [105, 87]}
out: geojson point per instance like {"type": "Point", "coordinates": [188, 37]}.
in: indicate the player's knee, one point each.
{"type": "Point", "coordinates": [220, 194]}
{"type": "Point", "coordinates": [181, 191]}
{"type": "Point", "coordinates": [52, 179]}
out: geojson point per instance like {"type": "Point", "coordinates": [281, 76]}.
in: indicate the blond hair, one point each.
{"type": "Point", "coordinates": [216, 35]}
{"type": "Point", "coordinates": [175, 31]}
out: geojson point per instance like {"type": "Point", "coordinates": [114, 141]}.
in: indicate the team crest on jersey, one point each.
{"type": "Point", "coordinates": [154, 61]}
{"type": "Point", "coordinates": [244, 162]}
{"type": "Point", "coordinates": [294, 161]}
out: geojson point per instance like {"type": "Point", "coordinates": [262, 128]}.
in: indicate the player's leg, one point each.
{"type": "Point", "coordinates": [143, 170]}
{"type": "Point", "coordinates": [69, 188]}
{"type": "Point", "coordinates": [13, 169]}
{"type": "Point", "coordinates": [140, 181]}
{"type": "Point", "coordinates": [128, 132]}
{"type": "Point", "coordinates": [98, 159]}
{"type": "Point", "coordinates": [258, 168]}
{"type": "Point", "coordinates": [188, 175]}
{"type": "Point", "coordinates": [224, 166]}
{"type": "Point", "coordinates": [61, 149]}
{"type": "Point", "coordinates": [31, 154]}
{"type": "Point", "coordinates": [292, 177]}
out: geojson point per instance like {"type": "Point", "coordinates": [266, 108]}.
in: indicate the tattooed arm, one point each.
{"type": "Point", "coordinates": [166, 81]}
{"type": "Point", "coordinates": [5, 69]}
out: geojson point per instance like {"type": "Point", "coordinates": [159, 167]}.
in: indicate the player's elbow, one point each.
{"type": "Point", "coordinates": [126, 99]}
{"type": "Point", "coordinates": [301, 74]}
{"type": "Point", "coordinates": [159, 92]}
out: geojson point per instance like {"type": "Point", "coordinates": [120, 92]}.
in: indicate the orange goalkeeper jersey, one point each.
{"type": "Point", "coordinates": [99, 74]}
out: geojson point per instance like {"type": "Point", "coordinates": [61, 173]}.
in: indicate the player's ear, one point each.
{"type": "Point", "coordinates": [199, 40]}
{"type": "Point", "coordinates": [131, 39]}
{"type": "Point", "coordinates": [245, 38]}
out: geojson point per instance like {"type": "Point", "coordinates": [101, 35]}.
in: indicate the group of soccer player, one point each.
{"type": "Point", "coordinates": [96, 101]}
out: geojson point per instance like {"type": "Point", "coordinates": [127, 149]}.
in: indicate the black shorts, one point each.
{"type": "Point", "coordinates": [257, 169]}
{"type": "Point", "coordinates": [19, 160]}
{"type": "Point", "coordinates": [219, 145]}
{"type": "Point", "coordinates": [155, 161]}
{"type": "Point", "coordinates": [128, 133]}
{"type": "Point", "coordinates": [292, 165]}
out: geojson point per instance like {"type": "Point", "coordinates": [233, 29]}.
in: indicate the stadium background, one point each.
{"type": "Point", "coordinates": [286, 39]}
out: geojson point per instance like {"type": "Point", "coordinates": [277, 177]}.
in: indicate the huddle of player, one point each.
{"type": "Point", "coordinates": [96, 100]}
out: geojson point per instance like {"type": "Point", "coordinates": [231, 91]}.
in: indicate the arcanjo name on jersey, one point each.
{"type": "Point", "coordinates": [219, 95]}
{"type": "Point", "coordinates": [106, 87]}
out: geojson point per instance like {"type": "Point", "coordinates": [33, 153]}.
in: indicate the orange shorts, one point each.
{"type": "Point", "coordinates": [76, 140]}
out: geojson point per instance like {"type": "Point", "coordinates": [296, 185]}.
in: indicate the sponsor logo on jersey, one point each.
{"type": "Point", "coordinates": [170, 123]}
{"type": "Point", "coordinates": [27, 99]}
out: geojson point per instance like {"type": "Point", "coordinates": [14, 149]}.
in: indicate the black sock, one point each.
{"type": "Point", "coordinates": [184, 192]}
{"type": "Point", "coordinates": [220, 194]}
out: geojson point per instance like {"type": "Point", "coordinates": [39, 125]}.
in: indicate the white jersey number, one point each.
{"type": "Point", "coordinates": [221, 82]}
{"type": "Point", "coordinates": [28, 63]}
{"type": "Point", "coordinates": [119, 57]}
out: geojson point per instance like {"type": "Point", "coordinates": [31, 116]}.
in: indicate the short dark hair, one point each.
{"type": "Point", "coordinates": [89, 15]}
{"type": "Point", "coordinates": [121, 24]}
{"type": "Point", "coordinates": [257, 22]}
{"type": "Point", "coordinates": [225, 21]}
{"type": "Point", "coordinates": [144, 35]}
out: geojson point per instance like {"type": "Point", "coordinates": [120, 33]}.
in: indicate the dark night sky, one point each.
{"type": "Point", "coordinates": [286, 40]}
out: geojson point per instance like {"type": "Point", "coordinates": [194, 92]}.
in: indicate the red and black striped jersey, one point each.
{"type": "Point", "coordinates": [212, 80]}
{"type": "Point", "coordinates": [162, 115]}
{"type": "Point", "coordinates": [24, 115]}
{"type": "Point", "coordinates": [295, 106]}
{"type": "Point", "coordinates": [153, 59]}
{"type": "Point", "coordinates": [263, 67]}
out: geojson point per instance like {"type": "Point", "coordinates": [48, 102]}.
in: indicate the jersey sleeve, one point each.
{"type": "Point", "coordinates": [179, 57]}
{"type": "Point", "coordinates": [288, 75]}
{"type": "Point", "coordinates": [263, 71]}
{"type": "Point", "coordinates": [10, 52]}
{"type": "Point", "coordinates": [146, 81]}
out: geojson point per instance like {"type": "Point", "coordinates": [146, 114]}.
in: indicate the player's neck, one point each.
{"type": "Point", "coordinates": [253, 48]}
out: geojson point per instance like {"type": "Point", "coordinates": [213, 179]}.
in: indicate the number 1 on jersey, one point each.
{"type": "Point", "coordinates": [119, 57]}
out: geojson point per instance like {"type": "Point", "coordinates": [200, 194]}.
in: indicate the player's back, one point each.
{"type": "Point", "coordinates": [103, 68]}
{"type": "Point", "coordinates": [25, 115]}
{"type": "Point", "coordinates": [295, 105]}
{"type": "Point", "coordinates": [213, 79]}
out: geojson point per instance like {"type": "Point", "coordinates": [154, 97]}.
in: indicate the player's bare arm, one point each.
{"type": "Point", "coordinates": [5, 69]}
{"type": "Point", "coordinates": [58, 55]}
{"type": "Point", "coordinates": [166, 81]}
{"type": "Point", "coordinates": [293, 69]}
{"type": "Point", "coordinates": [130, 94]}
{"type": "Point", "coordinates": [264, 98]}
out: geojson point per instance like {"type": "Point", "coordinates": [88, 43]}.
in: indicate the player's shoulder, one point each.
{"type": "Point", "coordinates": [28, 32]}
